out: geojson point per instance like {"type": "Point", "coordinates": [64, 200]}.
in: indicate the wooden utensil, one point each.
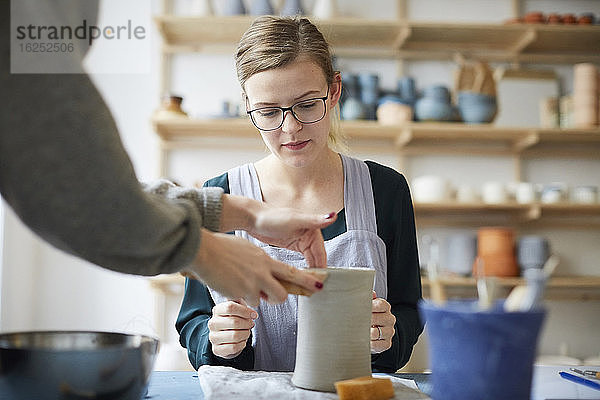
{"type": "Point", "coordinates": [293, 288]}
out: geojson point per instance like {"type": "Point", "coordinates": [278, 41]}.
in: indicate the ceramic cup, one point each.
{"type": "Point", "coordinates": [532, 251]}
{"type": "Point", "coordinates": [334, 328]}
{"type": "Point", "coordinates": [584, 194]}
{"type": "Point", "coordinates": [494, 193]}
{"type": "Point", "coordinates": [430, 189]}
{"type": "Point", "coordinates": [461, 250]}
{"type": "Point", "coordinates": [497, 348]}
{"type": "Point", "coordinates": [525, 193]}
{"type": "Point", "coordinates": [554, 193]}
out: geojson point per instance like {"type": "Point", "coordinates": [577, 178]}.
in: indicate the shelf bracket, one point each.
{"type": "Point", "coordinates": [532, 213]}
{"type": "Point", "coordinates": [404, 138]}
{"type": "Point", "coordinates": [529, 140]}
{"type": "Point", "coordinates": [403, 35]}
{"type": "Point", "coordinates": [528, 37]}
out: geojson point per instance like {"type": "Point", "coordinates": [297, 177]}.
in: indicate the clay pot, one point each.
{"type": "Point", "coordinates": [554, 19]}
{"type": "Point", "coordinates": [496, 248]}
{"type": "Point", "coordinates": [585, 19]}
{"type": "Point", "coordinates": [171, 108]}
{"type": "Point", "coordinates": [569, 19]}
{"type": "Point", "coordinates": [334, 325]}
{"type": "Point", "coordinates": [534, 17]}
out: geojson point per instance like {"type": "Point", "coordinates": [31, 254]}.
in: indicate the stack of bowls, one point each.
{"type": "Point", "coordinates": [585, 95]}
{"type": "Point", "coordinates": [477, 108]}
{"type": "Point", "coordinates": [496, 248]}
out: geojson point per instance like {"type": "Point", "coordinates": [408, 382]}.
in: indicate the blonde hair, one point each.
{"type": "Point", "coordinates": [273, 42]}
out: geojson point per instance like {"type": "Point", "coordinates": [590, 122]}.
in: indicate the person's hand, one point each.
{"type": "Point", "coordinates": [239, 270]}
{"type": "Point", "coordinates": [230, 327]}
{"type": "Point", "coordinates": [291, 229]}
{"type": "Point", "coordinates": [382, 325]}
{"type": "Point", "coordinates": [282, 227]}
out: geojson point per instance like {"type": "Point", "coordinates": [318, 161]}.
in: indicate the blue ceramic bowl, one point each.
{"type": "Point", "coordinates": [477, 108]}
{"type": "Point", "coordinates": [431, 109]}
{"type": "Point", "coordinates": [437, 92]}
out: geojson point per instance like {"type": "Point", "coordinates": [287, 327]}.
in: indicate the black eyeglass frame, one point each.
{"type": "Point", "coordinates": [290, 109]}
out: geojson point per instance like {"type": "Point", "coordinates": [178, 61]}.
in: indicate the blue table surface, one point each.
{"type": "Point", "coordinates": [184, 385]}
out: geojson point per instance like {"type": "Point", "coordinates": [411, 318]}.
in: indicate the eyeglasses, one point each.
{"type": "Point", "coordinates": [306, 112]}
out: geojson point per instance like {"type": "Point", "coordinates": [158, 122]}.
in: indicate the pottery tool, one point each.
{"type": "Point", "coordinates": [525, 298]}
{"type": "Point", "coordinates": [293, 288]}
{"type": "Point", "coordinates": [593, 374]}
{"type": "Point", "coordinates": [436, 287]}
{"type": "Point", "coordinates": [580, 380]}
{"type": "Point", "coordinates": [486, 286]}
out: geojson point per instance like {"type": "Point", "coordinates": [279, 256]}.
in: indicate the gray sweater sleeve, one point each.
{"type": "Point", "coordinates": [65, 173]}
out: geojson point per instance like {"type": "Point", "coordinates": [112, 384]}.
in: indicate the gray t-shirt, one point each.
{"type": "Point", "coordinates": [65, 173]}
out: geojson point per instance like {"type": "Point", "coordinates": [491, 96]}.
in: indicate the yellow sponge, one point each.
{"type": "Point", "coordinates": [365, 388]}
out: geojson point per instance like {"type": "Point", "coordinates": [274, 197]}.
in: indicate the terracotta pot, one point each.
{"type": "Point", "coordinates": [569, 19]}
{"type": "Point", "coordinates": [554, 19]}
{"type": "Point", "coordinates": [495, 241]}
{"type": "Point", "coordinates": [497, 265]}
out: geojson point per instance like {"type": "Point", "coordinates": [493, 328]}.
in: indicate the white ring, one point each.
{"type": "Point", "coordinates": [379, 330]}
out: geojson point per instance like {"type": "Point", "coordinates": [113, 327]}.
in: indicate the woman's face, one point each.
{"type": "Point", "coordinates": [294, 143]}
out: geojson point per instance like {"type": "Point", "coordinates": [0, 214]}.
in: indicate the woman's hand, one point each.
{"type": "Point", "coordinates": [239, 270]}
{"type": "Point", "coordinates": [281, 227]}
{"type": "Point", "coordinates": [230, 328]}
{"type": "Point", "coordinates": [382, 325]}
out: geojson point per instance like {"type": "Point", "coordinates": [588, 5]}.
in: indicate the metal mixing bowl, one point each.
{"type": "Point", "coordinates": [75, 365]}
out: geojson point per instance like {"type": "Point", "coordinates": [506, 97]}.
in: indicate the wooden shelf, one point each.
{"type": "Point", "coordinates": [404, 39]}
{"type": "Point", "coordinates": [511, 214]}
{"type": "Point", "coordinates": [558, 288]}
{"type": "Point", "coordinates": [577, 288]}
{"type": "Point", "coordinates": [413, 138]}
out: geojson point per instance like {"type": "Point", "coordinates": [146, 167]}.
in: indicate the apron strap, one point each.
{"type": "Point", "coordinates": [358, 198]}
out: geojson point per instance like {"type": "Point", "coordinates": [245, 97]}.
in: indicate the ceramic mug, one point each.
{"type": "Point", "coordinates": [461, 250]}
{"type": "Point", "coordinates": [525, 193]}
{"type": "Point", "coordinates": [532, 251]}
{"type": "Point", "coordinates": [430, 189]}
{"type": "Point", "coordinates": [585, 194]}
{"type": "Point", "coordinates": [494, 193]}
{"type": "Point", "coordinates": [334, 330]}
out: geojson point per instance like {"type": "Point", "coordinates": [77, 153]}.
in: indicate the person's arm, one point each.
{"type": "Point", "coordinates": [65, 173]}
{"type": "Point", "coordinates": [192, 325]}
{"type": "Point", "coordinates": [396, 225]}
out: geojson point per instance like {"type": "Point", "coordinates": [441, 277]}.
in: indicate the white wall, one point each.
{"type": "Point", "coordinates": [45, 289]}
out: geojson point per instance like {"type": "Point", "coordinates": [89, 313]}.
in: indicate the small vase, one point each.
{"type": "Point", "coordinates": [291, 8]}
{"type": "Point", "coordinates": [261, 7]}
{"type": "Point", "coordinates": [234, 7]}
{"type": "Point", "coordinates": [325, 9]}
{"type": "Point", "coordinates": [335, 345]}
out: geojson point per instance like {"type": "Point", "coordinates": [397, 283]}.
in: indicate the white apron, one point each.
{"type": "Point", "coordinates": [274, 335]}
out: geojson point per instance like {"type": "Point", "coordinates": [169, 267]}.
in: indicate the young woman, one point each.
{"type": "Point", "coordinates": [291, 92]}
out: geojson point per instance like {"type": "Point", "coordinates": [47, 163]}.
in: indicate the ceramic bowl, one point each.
{"type": "Point", "coordinates": [432, 109]}
{"type": "Point", "coordinates": [477, 108]}
{"type": "Point", "coordinates": [78, 365]}
{"type": "Point", "coordinates": [393, 113]}
{"type": "Point", "coordinates": [430, 189]}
